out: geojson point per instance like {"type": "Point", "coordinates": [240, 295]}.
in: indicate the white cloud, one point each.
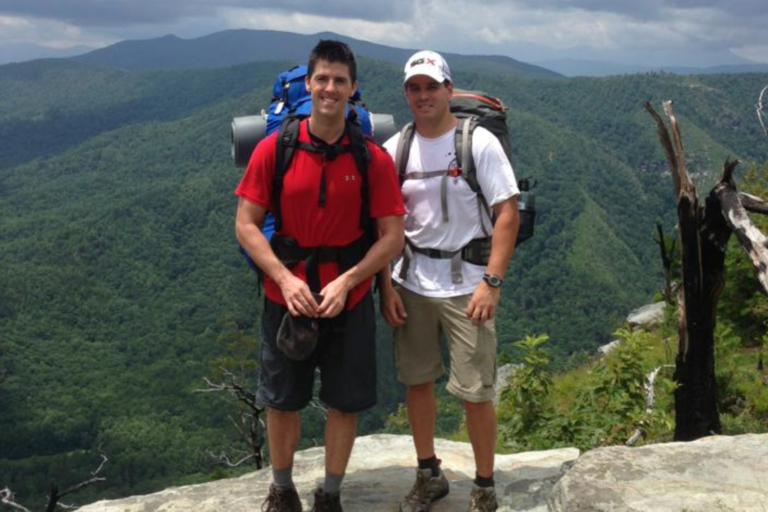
{"type": "Point", "coordinates": [390, 33]}
{"type": "Point", "coordinates": [756, 53]}
{"type": "Point", "coordinates": [564, 28]}
{"type": "Point", "coordinates": [50, 33]}
{"type": "Point", "coordinates": [13, 22]}
{"type": "Point", "coordinates": [651, 32]}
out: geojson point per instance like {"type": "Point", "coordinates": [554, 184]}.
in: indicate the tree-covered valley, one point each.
{"type": "Point", "coordinates": [121, 283]}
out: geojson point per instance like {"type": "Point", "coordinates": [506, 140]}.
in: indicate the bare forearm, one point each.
{"type": "Point", "coordinates": [385, 277]}
{"type": "Point", "coordinates": [256, 245]}
{"type": "Point", "coordinates": [503, 241]}
{"type": "Point", "coordinates": [376, 260]}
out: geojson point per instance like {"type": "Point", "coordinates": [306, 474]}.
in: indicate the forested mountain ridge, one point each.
{"type": "Point", "coordinates": [231, 47]}
{"type": "Point", "coordinates": [119, 272]}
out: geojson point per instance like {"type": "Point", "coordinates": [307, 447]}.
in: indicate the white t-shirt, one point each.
{"type": "Point", "coordinates": [424, 225]}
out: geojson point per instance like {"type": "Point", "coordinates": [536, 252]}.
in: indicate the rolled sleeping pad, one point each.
{"type": "Point", "coordinates": [246, 133]}
{"type": "Point", "coordinates": [383, 126]}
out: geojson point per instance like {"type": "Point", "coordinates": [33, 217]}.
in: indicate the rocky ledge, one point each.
{"type": "Point", "coordinates": [718, 474]}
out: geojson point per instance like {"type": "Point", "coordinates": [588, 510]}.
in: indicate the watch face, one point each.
{"type": "Point", "coordinates": [494, 281]}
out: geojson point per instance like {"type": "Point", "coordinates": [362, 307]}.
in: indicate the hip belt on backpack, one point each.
{"type": "Point", "coordinates": [477, 252]}
{"type": "Point", "coordinates": [290, 253]}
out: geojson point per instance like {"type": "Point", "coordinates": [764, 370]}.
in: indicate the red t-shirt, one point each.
{"type": "Point", "coordinates": [335, 224]}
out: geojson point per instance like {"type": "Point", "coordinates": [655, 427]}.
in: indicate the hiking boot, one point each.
{"type": "Point", "coordinates": [281, 500]}
{"type": "Point", "coordinates": [425, 491]}
{"type": "Point", "coordinates": [483, 499]}
{"type": "Point", "coordinates": [326, 502]}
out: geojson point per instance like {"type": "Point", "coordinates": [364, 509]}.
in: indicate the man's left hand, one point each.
{"type": "Point", "coordinates": [334, 298]}
{"type": "Point", "coordinates": [482, 305]}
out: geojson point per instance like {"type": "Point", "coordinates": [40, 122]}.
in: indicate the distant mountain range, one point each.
{"type": "Point", "coordinates": [232, 47]}
{"type": "Point", "coordinates": [578, 67]}
{"type": "Point", "coordinates": [21, 52]}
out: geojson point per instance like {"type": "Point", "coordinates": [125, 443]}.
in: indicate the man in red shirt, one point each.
{"type": "Point", "coordinates": [320, 207]}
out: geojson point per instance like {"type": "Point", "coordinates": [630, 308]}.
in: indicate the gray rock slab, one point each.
{"type": "Point", "coordinates": [608, 348]}
{"type": "Point", "coordinates": [380, 473]}
{"type": "Point", "coordinates": [647, 315]}
{"type": "Point", "coordinates": [503, 374]}
{"type": "Point", "coordinates": [714, 474]}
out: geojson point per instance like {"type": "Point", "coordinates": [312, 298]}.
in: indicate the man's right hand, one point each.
{"type": "Point", "coordinates": [392, 306]}
{"type": "Point", "coordinates": [298, 297]}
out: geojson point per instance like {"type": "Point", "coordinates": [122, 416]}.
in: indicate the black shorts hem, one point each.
{"type": "Point", "coordinates": [352, 410]}
{"type": "Point", "coordinates": [282, 407]}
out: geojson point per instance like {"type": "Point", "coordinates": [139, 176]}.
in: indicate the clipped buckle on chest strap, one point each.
{"type": "Point", "coordinates": [477, 252]}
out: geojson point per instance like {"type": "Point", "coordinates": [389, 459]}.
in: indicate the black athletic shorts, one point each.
{"type": "Point", "coordinates": [345, 354]}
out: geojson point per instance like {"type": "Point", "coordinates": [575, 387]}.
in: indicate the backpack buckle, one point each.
{"type": "Point", "coordinates": [454, 172]}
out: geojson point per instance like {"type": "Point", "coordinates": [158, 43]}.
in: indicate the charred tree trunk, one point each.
{"type": "Point", "coordinates": [702, 269]}
{"type": "Point", "coordinates": [666, 261]}
{"type": "Point", "coordinates": [696, 397]}
{"type": "Point", "coordinates": [696, 413]}
{"type": "Point", "coordinates": [704, 234]}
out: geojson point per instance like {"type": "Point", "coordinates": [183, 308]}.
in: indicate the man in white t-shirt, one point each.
{"type": "Point", "coordinates": [446, 283]}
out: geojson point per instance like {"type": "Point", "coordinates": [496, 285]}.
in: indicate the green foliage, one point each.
{"type": "Point", "coordinates": [523, 403]}
{"type": "Point", "coordinates": [742, 330]}
{"type": "Point", "coordinates": [601, 407]}
{"type": "Point", "coordinates": [450, 416]}
{"type": "Point", "coordinates": [743, 304]}
{"type": "Point", "coordinates": [118, 260]}
{"type": "Point", "coordinates": [241, 357]}
{"type": "Point", "coordinates": [742, 384]}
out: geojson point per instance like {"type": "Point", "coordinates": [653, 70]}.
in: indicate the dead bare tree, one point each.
{"type": "Point", "coordinates": [650, 404]}
{"type": "Point", "coordinates": [249, 424]}
{"type": "Point", "coordinates": [704, 232]}
{"type": "Point", "coordinates": [667, 253]}
{"type": "Point", "coordinates": [759, 110]}
{"type": "Point", "coordinates": [7, 498]}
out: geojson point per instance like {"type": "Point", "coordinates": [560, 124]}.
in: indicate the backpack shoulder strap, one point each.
{"type": "Point", "coordinates": [463, 141]}
{"type": "Point", "coordinates": [464, 158]}
{"type": "Point", "coordinates": [285, 147]}
{"type": "Point", "coordinates": [359, 148]}
{"type": "Point", "coordinates": [404, 150]}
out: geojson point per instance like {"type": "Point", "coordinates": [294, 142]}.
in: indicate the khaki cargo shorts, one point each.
{"type": "Point", "coordinates": [472, 348]}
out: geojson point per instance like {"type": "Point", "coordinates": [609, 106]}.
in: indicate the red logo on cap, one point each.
{"type": "Point", "coordinates": [431, 62]}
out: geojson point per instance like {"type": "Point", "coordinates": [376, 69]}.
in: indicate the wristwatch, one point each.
{"type": "Point", "coordinates": [493, 280]}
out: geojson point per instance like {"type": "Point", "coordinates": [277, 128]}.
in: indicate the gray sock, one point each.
{"type": "Point", "coordinates": [332, 483]}
{"type": "Point", "coordinates": [283, 478]}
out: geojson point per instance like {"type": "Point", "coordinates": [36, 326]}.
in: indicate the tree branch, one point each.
{"type": "Point", "coordinates": [666, 142]}
{"type": "Point", "coordinates": [6, 498]}
{"type": "Point", "coordinates": [751, 238]}
{"type": "Point", "coordinates": [250, 427]}
{"type": "Point", "coordinates": [223, 458]}
{"type": "Point", "coordinates": [685, 182]}
{"type": "Point", "coordinates": [753, 203]}
{"type": "Point", "coordinates": [666, 261]}
{"type": "Point", "coordinates": [759, 110]}
{"type": "Point", "coordinates": [55, 496]}
{"type": "Point", "coordinates": [650, 403]}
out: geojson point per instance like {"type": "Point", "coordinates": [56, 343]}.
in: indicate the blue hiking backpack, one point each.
{"type": "Point", "coordinates": [290, 96]}
{"type": "Point", "coordinates": [291, 101]}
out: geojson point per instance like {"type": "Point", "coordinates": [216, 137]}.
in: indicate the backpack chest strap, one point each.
{"type": "Point", "coordinates": [290, 254]}
{"type": "Point", "coordinates": [443, 184]}
{"type": "Point", "coordinates": [477, 252]}
{"type": "Point", "coordinates": [465, 167]}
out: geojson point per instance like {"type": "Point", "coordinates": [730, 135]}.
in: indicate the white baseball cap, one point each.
{"type": "Point", "coordinates": [428, 63]}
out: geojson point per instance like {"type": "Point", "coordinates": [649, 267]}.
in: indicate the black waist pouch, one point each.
{"type": "Point", "coordinates": [297, 336]}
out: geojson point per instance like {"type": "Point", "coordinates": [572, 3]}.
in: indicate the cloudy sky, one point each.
{"type": "Point", "coordinates": [635, 32]}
